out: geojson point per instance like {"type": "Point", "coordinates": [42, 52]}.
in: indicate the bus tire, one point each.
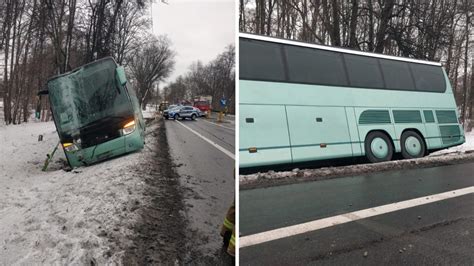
{"type": "Point", "coordinates": [378, 147]}
{"type": "Point", "coordinates": [193, 117]}
{"type": "Point", "coordinates": [412, 145]}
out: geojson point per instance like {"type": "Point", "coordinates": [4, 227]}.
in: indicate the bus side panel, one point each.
{"type": "Point", "coordinates": [353, 131]}
{"type": "Point", "coordinates": [433, 141]}
{"type": "Point", "coordinates": [134, 141]}
{"type": "Point", "coordinates": [263, 127]}
{"type": "Point", "coordinates": [364, 129]}
{"type": "Point", "coordinates": [401, 126]}
{"type": "Point", "coordinates": [136, 108]}
{"type": "Point", "coordinates": [318, 133]}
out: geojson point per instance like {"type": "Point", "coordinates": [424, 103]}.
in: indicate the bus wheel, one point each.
{"type": "Point", "coordinates": [412, 145]}
{"type": "Point", "coordinates": [378, 147]}
{"type": "Point", "coordinates": [193, 117]}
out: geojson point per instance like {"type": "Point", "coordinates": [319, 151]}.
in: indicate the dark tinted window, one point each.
{"type": "Point", "coordinates": [261, 60]}
{"type": "Point", "coordinates": [315, 66]}
{"type": "Point", "coordinates": [397, 75]}
{"type": "Point", "coordinates": [429, 118]}
{"type": "Point", "coordinates": [428, 78]}
{"type": "Point", "coordinates": [363, 71]}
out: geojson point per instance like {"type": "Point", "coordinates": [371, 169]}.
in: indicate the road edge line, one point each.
{"type": "Point", "coordinates": [302, 228]}
{"type": "Point", "coordinates": [226, 152]}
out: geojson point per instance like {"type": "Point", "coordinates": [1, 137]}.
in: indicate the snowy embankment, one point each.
{"type": "Point", "coordinates": [149, 112]}
{"type": "Point", "coordinates": [466, 147]}
{"type": "Point", "coordinates": [462, 153]}
{"type": "Point", "coordinates": [59, 217]}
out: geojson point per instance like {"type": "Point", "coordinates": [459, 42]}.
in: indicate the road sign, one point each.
{"type": "Point", "coordinates": [223, 102]}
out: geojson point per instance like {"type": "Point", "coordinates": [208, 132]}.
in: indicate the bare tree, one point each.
{"type": "Point", "coordinates": [216, 78]}
{"type": "Point", "coordinates": [437, 30]}
{"type": "Point", "coordinates": [42, 38]}
{"type": "Point", "coordinates": [151, 63]}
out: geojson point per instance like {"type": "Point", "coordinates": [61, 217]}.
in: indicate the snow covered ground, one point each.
{"type": "Point", "coordinates": [467, 146]}
{"type": "Point", "coordinates": [150, 112]}
{"type": "Point", "coordinates": [58, 217]}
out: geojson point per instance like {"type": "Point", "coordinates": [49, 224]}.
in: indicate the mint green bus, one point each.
{"type": "Point", "coordinates": [302, 102]}
{"type": "Point", "coordinates": [97, 114]}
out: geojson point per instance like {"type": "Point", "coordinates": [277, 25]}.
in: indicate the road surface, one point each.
{"type": "Point", "coordinates": [435, 228]}
{"type": "Point", "coordinates": [203, 153]}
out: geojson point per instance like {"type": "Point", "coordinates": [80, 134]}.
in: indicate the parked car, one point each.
{"type": "Point", "coordinates": [183, 112]}
{"type": "Point", "coordinates": [166, 112]}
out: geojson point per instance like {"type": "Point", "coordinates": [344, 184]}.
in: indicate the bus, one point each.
{"type": "Point", "coordinates": [96, 113]}
{"type": "Point", "coordinates": [303, 102]}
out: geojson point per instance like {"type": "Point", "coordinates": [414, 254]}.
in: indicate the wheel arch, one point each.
{"type": "Point", "coordinates": [419, 133]}
{"type": "Point", "coordinates": [383, 132]}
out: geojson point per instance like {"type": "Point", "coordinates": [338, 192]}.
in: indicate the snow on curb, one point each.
{"type": "Point", "coordinates": [297, 175]}
{"type": "Point", "coordinates": [458, 154]}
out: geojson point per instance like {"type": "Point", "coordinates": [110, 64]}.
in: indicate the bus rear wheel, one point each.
{"type": "Point", "coordinates": [412, 145]}
{"type": "Point", "coordinates": [378, 147]}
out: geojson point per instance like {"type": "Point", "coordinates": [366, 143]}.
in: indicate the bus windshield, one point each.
{"type": "Point", "coordinates": [87, 98]}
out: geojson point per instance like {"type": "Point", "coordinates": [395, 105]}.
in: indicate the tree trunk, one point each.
{"type": "Point", "coordinates": [353, 24]}
{"type": "Point", "coordinates": [384, 20]}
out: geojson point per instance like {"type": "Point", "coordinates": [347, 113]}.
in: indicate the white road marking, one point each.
{"type": "Point", "coordinates": [217, 124]}
{"type": "Point", "coordinates": [348, 217]}
{"type": "Point", "coordinates": [226, 152]}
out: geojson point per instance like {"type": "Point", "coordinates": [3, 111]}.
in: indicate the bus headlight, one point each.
{"type": "Point", "coordinates": [69, 147]}
{"type": "Point", "coordinates": [129, 127]}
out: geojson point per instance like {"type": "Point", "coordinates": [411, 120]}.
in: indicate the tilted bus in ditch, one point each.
{"type": "Point", "coordinates": [301, 102]}
{"type": "Point", "coordinates": [97, 114]}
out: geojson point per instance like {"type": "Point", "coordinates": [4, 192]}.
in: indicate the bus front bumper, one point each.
{"type": "Point", "coordinates": [112, 148]}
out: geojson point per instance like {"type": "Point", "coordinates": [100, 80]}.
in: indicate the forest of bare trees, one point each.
{"type": "Point", "coordinates": [216, 78]}
{"type": "Point", "coordinates": [436, 30]}
{"type": "Point", "coordinates": [43, 38]}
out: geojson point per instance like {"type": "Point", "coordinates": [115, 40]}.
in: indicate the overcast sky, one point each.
{"type": "Point", "coordinates": [198, 29]}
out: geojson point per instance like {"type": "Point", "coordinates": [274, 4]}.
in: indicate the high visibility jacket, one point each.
{"type": "Point", "coordinates": [228, 226]}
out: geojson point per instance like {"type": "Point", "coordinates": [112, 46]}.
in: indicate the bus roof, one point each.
{"type": "Point", "coordinates": [82, 66]}
{"type": "Point", "coordinates": [336, 49]}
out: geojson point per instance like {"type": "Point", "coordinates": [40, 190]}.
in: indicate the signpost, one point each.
{"type": "Point", "coordinates": [223, 103]}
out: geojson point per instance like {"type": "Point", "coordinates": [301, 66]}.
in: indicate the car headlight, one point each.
{"type": "Point", "coordinates": [69, 147]}
{"type": "Point", "coordinates": [128, 128]}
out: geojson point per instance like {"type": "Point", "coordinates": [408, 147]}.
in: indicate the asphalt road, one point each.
{"type": "Point", "coordinates": [202, 152]}
{"type": "Point", "coordinates": [440, 233]}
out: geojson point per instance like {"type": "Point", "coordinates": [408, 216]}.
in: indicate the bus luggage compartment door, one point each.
{"type": "Point", "coordinates": [318, 132]}
{"type": "Point", "coordinates": [263, 134]}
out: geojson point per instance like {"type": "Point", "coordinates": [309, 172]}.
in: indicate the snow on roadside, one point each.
{"type": "Point", "coordinates": [59, 217]}
{"type": "Point", "coordinates": [149, 112]}
{"type": "Point", "coordinates": [467, 146]}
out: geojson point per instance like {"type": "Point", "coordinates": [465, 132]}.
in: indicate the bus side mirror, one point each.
{"type": "Point", "coordinates": [120, 71]}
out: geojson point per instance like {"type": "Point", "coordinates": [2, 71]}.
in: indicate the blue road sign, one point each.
{"type": "Point", "coordinates": [223, 102]}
